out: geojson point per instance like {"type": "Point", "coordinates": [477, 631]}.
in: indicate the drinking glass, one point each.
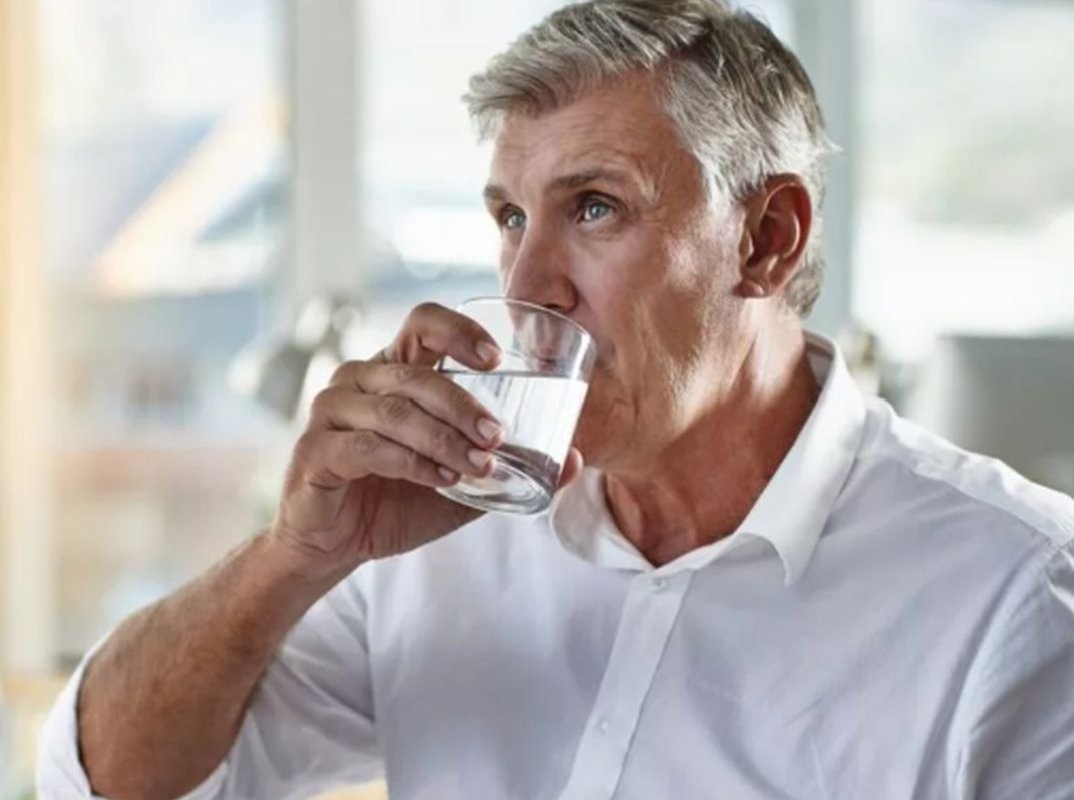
{"type": "Point", "coordinates": [536, 392]}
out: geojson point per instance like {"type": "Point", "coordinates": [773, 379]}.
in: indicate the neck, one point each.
{"type": "Point", "coordinates": [689, 496]}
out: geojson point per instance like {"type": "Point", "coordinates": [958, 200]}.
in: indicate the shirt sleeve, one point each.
{"type": "Point", "coordinates": [309, 727]}
{"type": "Point", "coordinates": [1018, 733]}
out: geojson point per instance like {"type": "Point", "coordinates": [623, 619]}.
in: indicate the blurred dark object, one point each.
{"type": "Point", "coordinates": [282, 371]}
{"type": "Point", "coordinates": [1008, 397]}
{"type": "Point", "coordinates": [861, 349]}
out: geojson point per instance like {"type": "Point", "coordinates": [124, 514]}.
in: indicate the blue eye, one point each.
{"type": "Point", "coordinates": [513, 219]}
{"type": "Point", "coordinates": [595, 209]}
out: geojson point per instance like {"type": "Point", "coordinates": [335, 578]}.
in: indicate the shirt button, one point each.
{"type": "Point", "coordinates": [659, 584]}
{"type": "Point", "coordinates": [603, 726]}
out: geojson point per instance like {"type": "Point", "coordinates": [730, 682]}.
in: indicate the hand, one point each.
{"type": "Point", "coordinates": [380, 439]}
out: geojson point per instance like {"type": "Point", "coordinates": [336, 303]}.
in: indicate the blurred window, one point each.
{"type": "Point", "coordinates": [164, 201]}
{"type": "Point", "coordinates": [966, 218]}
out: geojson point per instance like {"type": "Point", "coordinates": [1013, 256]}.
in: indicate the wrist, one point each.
{"type": "Point", "coordinates": [302, 567]}
{"type": "Point", "coordinates": [270, 589]}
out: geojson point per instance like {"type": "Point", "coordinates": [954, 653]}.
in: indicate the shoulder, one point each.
{"type": "Point", "coordinates": [955, 488]}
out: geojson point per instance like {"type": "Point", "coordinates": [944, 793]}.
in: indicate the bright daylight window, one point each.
{"type": "Point", "coordinates": [163, 201]}
{"type": "Point", "coordinates": [965, 224]}
{"type": "Point", "coordinates": [966, 219]}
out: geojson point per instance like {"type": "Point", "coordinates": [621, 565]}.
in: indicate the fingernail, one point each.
{"type": "Point", "coordinates": [479, 458]}
{"type": "Point", "coordinates": [447, 474]}
{"type": "Point", "coordinates": [489, 428]}
{"type": "Point", "coordinates": [487, 352]}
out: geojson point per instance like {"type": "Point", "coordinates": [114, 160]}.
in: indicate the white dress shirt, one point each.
{"type": "Point", "coordinates": [893, 619]}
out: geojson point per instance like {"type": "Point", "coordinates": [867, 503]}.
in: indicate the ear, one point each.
{"type": "Point", "coordinates": [775, 231]}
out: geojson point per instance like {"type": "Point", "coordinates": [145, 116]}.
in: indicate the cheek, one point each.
{"type": "Point", "coordinates": [615, 276]}
{"type": "Point", "coordinates": [640, 296]}
{"type": "Point", "coordinates": [601, 300]}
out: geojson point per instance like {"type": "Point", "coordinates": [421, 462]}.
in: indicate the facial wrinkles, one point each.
{"type": "Point", "coordinates": [683, 296]}
{"type": "Point", "coordinates": [523, 168]}
{"type": "Point", "coordinates": [654, 310]}
{"type": "Point", "coordinates": [592, 137]}
{"type": "Point", "coordinates": [670, 321]}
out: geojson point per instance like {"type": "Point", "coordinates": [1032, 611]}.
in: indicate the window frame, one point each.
{"type": "Point", "coordinates": [27, 607]}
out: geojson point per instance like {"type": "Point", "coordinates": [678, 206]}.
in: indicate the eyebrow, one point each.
{"type": "Point", "coordinates": [572, 180]}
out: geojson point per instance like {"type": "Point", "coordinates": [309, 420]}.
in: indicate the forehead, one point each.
{"type": "Point", "coordinates": [620, 125]}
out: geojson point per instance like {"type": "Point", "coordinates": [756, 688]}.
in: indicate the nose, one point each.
{"type": "Point", "coordinates": [539, 273]}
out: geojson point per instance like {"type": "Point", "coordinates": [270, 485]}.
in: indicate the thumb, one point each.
{"type": "Point", "coordinates": [572, 467]}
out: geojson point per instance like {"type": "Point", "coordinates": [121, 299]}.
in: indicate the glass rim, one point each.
{"type": "Point", "coordinates": [492, 298]}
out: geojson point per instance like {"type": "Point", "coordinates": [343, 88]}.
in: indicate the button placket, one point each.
{"type": "Point", "coordinates": [648, 617]}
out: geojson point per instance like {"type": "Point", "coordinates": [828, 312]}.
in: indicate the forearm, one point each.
{"type": "Point", "coordinates": [162, 701]}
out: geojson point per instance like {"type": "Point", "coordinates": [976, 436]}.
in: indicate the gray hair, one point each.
{"type": "Point", "coordinates": [741, 101]}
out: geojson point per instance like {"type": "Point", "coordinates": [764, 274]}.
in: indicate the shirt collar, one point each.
{"type": "Point", "coordinates": [792, 510]}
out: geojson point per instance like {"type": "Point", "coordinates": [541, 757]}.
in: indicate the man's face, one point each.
{"type": "Point", "coordinates": [603, 217]}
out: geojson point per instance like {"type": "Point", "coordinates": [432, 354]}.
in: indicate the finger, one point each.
{"type": "Point", "coordinates": [325, 462]}
{"type": "Point", "coordinates": [404, 422]}
{"type": "Point", "coordinates": [434, 392]}
{"type": "Point", "coordinates": [572, 467]}
{"type": "Point", "coordinates": [432, 331]}
{"type": "Point", "coordinates": [339, 457]}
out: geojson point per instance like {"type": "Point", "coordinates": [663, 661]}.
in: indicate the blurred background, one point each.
{"type": "Point", "coordinates": [204, 205]}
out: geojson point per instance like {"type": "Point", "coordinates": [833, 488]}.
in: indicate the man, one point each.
{"type": "Point", "coordinates": [761, 585]}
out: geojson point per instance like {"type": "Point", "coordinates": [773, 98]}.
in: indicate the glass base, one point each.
{"type": "Point", "coordinates": [515, 486]}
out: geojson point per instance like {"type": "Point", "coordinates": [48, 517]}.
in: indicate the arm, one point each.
{"type": "Point", "coordinates": [308, 725]}
{"type": "Point", "coordinates": [162, 702]}
{"type": "Point", "coordinates": [1016, 731]}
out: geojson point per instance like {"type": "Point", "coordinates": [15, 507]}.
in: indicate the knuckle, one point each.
{"type": "Point", "coordinates": [305, 452]}
{"type": "Point", "coordinates": [463, 405]}
{"type": "Point", "coordinates": [323, 402]}
{"type": "Point", "coordinates": [413, 462]}
{"type": "Point", "coordinates": [424, 310]}
{"type": "Point", "coordinates": [301, 450]}
{"type": "Point", "coordinates": [365, 444]}
{"type": "Point", "coordinates": [403, 374]}
{"type": "Point", "coordinates": [345, 373]}
{"type": "Point", "coordinates": [444, 440]}
{"type": "Point", "coordinates": [394, 410]}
